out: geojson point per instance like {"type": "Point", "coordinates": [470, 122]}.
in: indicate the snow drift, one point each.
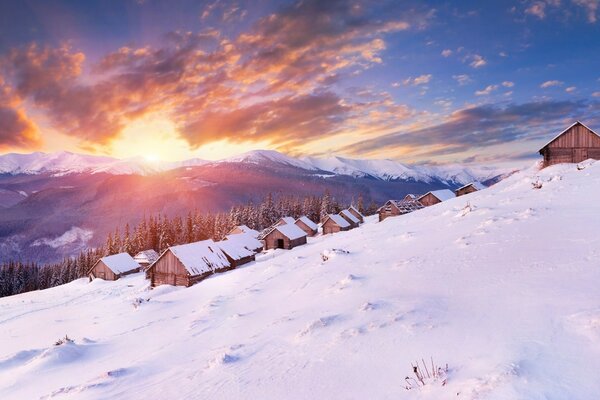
{"type": "Point", "coordinates": [501, 284]}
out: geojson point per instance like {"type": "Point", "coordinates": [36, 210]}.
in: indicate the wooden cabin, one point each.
{"type": "Point", "coordinates": [285, 236]}
{"type": "Point", "coordinates": [357, 214]}
{"type": "Point", "coordinates": [410, 197]}
{"type": "Point", "coordinates": [575, 144]}
{"type": "Point", "coordinates": [307, 225]}
{"type": "Point", "coordinates": [187, 264]}
{"type": "Point", "coordinates": [285, 221]}
{"type": "Point", "coordinates": [469, 188]}
{"type": "Point", "coordinates": [394, 208]}
{"type": "Point", "coordinates": [243, 229]}
{"type": "Point", "coordinates": [335, 223]}
{"type": "Point", "coordinates": [435, 197]}
{"type": "Point", "coordinates": [352, 220]}
{"type": "Point", "coordinates": [246, 240]}
{"type": "Point", "coordinates": [145, 258]}
{"type": "Point", "coordinates": [111, 268]}
{"type": "Point", "coordinates": [236, 253]}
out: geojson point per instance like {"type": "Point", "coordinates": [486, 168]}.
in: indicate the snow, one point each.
{"type": "Point", "coordinates": [504, 291]}
{"type": "Point", "coordinates": [350, 216]}
{"type": "Point", "coordinates": [120, 263]}
{"type": "Point", "coordinates": [307, 221]}
{"type": "Point", "coordinates": [339, 220]}
{"type": "Point", "coordinates": [200, 257]}
{"type": "Point", "coordinates": [245, 240]}
{"type": "Point", "coordinates": [234, 249]}
{"type": "Point", "coordinates": [441, 195]}
{"type": "Point", "coordinates": [291, 231]}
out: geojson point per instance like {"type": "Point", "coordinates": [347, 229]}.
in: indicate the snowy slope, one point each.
{"type": "Point", "coordinates": [66, 162]}
{"type": "Point", "coordinates": [505, 292]}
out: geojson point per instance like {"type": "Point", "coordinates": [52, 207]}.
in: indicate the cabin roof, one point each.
{"type": "Point", "coordinates": [288, 220]}
{"type": "Point", "coordinates": [405, 206]}
{"type": "Point", "coordinates": [338, 219]}
{"type": "Point", "coordinates": [350, 216]}
{"type": "Point", "coordinates": [247, 230]}
{"type": "Point", "coordinates": [291, 231]}
{"type": "Point", "coordinates": [245, 240]}
{"type": "Point", "coordinates": [476, 185]}
{"type": "Point", "coordinates": [307, 221]}
{"type": "Point", "coordinates": [146, 256]}
{"type": "Point", "coordinates": [234, 249]}
{"type": "Point", "coordinates": [120, 263]}
{"type": "Point", "coordinates": [356, 209]}
{"type": "Point", "coordinates": [565, 131]}
{"type": "Point", "coordinates": [441, 195]}
{"type": "Point", "coordinates": [200, 257]}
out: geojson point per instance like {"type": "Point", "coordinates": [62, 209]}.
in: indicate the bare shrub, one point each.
{"type": "Point", "coordinates": [438, 375]}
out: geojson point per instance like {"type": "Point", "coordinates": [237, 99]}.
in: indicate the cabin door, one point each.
{"type": "Point", "coordinates": [579, 155]}
{"type": "Point", "coordinates": [279, 243]}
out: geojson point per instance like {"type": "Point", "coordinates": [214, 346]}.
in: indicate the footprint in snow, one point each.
{"type": "Point", "coordinates": [106, 379]}
{"type": "Point", "coordinates": [318, 324]}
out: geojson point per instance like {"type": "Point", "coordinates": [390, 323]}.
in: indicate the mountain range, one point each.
{"type": "Point", "coordinates": [52, 205]}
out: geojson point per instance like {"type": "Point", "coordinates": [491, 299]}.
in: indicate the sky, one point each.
{"type": "Point", "coordinates": [416, 81]}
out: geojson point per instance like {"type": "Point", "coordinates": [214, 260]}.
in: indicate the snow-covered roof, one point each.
{"type": "Point", "coordinates": [200, 257]}
{"type": "Point", "coordinates": [570, 126]}
{"type": "Point", "coordinates": [120, 263]}
{"type": "Point", "coordinates": [350, 216]}
{"type": "Point", "coordinates": [307, 221]}
{"type": "Point", "coordinates": [355, 210]}
{"type": "Point", "coordinates": [247, 230]}
{"type": "Point", "coordinates": [404, 206]}
{"type": "Point", "coordinates": [476, 185]}
{"type": "Point", "coordinates": [339, 220]}
{"type": "Point", "coordinates": [291, 231]}
{"type": "Point", "coordinates": [234, 249]}
{"type": "Point", "coordinates": [441, 195]}
{"type": "Point", "coordinates": [245, 240]}
{"type": "Point", "coordinates": [146, 256]}
{"type": "Point", "coordinates": [287, 220]}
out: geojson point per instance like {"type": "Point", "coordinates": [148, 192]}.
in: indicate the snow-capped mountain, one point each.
{"type": "Point", "coordinates": [386, 170]}
{"type": "Point", "coordinates": [501, 285]}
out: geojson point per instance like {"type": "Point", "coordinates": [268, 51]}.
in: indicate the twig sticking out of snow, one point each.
{"type": "Point", "coordinates": [438, 375]}
{"type": "Point", "coordinates": [537, 184]}
{"type": "Point", "coordinates": [64, 340]}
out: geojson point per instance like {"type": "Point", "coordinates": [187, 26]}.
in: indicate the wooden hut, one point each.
{"type": "Point", "coordinates": [111, 268]}
{"type": "Point", "coordinates": [236, 253]}
{"type": "Point", "coordinates": [436, 196]}
{"type": "Point", "coordinates": [394, 208]}
{"type": "Point", "coordinates": [410, 196]}
{"type": "Point", "coordinates": [575, 144]}
{"type": "Point", "coordinates": [357, 214]}
{"type": "Point", "coordinates": [145, 258]}
{"type": "Point", "coordinates": [469, 188]}
{"type": "Point", "coordinates": [334, 223]}
{"type": "Point", "coordinates": [285, 221]}
{"type": "Point", "coordinates": [352, 220]}
{"type": "Point", "coordinates": [243, 229]}
{"type": "Point", "coordinates": [187, 264]}
{"type": "Point", "coordinates": [308, 226]}
{"type": "Point", "coordinates": [246, 240]}
{"type": "Point", "coordinates": [285, 236]}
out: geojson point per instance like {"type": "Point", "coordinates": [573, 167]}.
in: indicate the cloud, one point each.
{"type": "Point", "coordinates": [508, 84]}
{"type": "Point", "coordinates": [482, 126]}
{"type": "Point", "coordinates": [462, 79]}
{"type": "Point", "coordinates": [591, 8]}
{"type": "Point", "coordinates": [596, 94]}
{"type": "Point", "coordinates": [282, 68]}
{"type": "Point", "coordinates": [477, 61]}
{"type": "Point", "coordinates": [537, 9]}
{"type": "Point", "coordinates": [570, 89]}
{"type": "Point", "coordinates": [488, 90]}
{"type": "Point", "coordinates": [418, 80]}
{"type": "Point", "coordinates": [552, 83]}
{"type": "Point", "coordinates": [446, 53]}
{"type": "Point", "coordinates": [16, 128]}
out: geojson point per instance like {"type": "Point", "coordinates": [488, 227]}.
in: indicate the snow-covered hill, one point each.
{"type": "Point", "coordinates": [66, 162]}
{"type": "Point", "coordinates": [501, 284]}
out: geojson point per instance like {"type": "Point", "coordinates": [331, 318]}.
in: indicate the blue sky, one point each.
{"type": "Point", "coordinates": [432, 82]}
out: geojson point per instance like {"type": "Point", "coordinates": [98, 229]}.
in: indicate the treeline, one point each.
{"type": "Point", "coordinates": [160, 232]}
